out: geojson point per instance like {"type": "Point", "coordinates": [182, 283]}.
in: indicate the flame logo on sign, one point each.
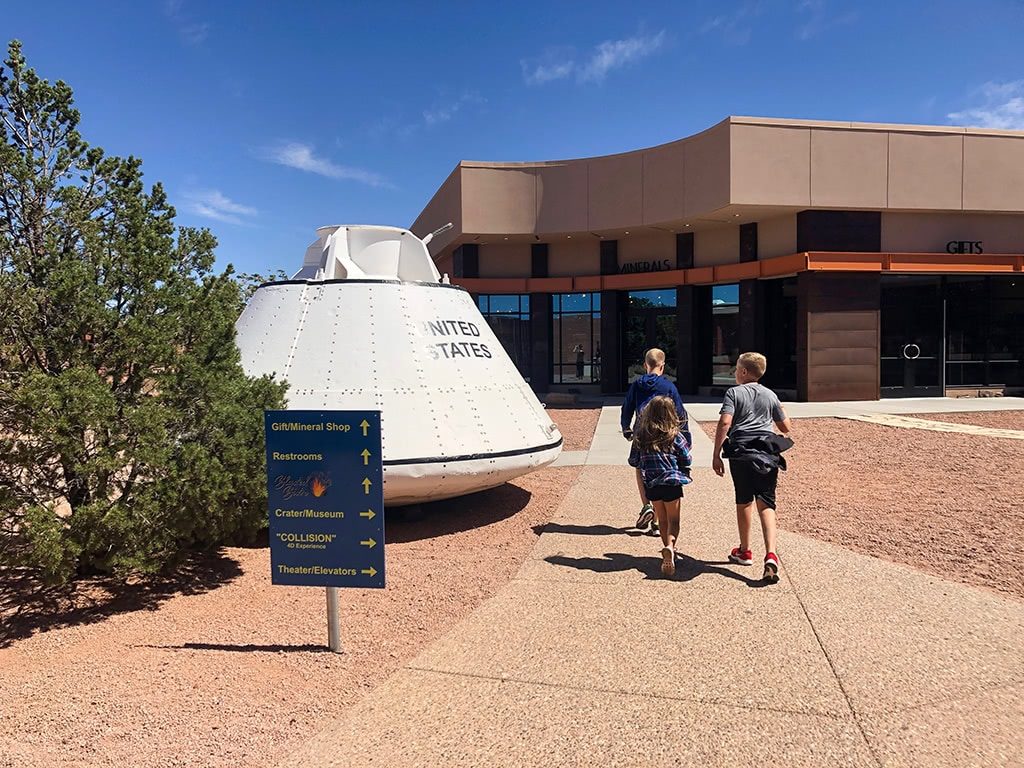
{"type": "Point", "coordinates": [318, 484]}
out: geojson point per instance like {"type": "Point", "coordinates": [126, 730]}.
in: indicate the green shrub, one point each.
{"type": "Point", "coordinates": [128, 430]}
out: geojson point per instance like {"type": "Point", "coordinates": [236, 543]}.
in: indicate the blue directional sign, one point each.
{"type": "Point", "coordinates": [325, 491]}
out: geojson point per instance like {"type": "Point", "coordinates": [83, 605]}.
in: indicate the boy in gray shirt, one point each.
{"type": "Point", "coordinates": [749, 411]}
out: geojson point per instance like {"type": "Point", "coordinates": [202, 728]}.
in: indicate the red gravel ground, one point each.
{"type": "Point", "coordinates": [577, 426]}
{"type": "Point", "coordinates": [997, 419]}
{"type": "Point", "coordinates": [219, 668]}
{"type": "Point", "coordinates": [942, 502]}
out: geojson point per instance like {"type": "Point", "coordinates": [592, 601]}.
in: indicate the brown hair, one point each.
{"type": "Point", "coordinates": [658, 425]}
{"type": "Point", "coordinates": [753, 363]}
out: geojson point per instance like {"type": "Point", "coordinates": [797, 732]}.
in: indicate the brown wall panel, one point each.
{"type": "Point", "coordinates": [844, 355]}
{"type": "Point", "coordinates": [837, 336]}
{"type": "Point", "coordinates": [854, 375]}
{"type": "Point", "coordinates": [853, 339]}
{"type": "Point", "coordinates": [844, 390]}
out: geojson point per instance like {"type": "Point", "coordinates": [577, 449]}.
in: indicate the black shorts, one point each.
{"type": "Point", "coordinates": [751, 484]}
{"type": "Point", "coordinates": [664, 492]}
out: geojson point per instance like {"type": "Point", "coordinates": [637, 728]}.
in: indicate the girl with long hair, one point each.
{"type": "Point", "coordinates": [663, 457]}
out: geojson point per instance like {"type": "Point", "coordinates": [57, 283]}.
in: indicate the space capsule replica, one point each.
{"type": "Point", "coordinates": [368, 324]}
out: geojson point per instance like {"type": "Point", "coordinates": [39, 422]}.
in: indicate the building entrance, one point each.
{"type": "Point", "coordinates": [912, 337]}
{"type": "Point", "coordinates": [649, 321]}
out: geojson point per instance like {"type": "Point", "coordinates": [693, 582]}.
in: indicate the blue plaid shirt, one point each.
{"type": "Point", "coordinates": [657, 468]}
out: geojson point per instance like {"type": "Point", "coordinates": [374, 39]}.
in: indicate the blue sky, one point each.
{"type": "Point", "coordinates": [266, 120]}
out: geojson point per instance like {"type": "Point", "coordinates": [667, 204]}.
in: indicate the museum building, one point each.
{"type": "Point", "coordinates": [865, 260]}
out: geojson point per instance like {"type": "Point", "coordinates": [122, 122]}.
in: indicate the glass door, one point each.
{"type": "Point", "coordinates": [649, 321]}
{"type": "Point", "coordinates": [912, 335]}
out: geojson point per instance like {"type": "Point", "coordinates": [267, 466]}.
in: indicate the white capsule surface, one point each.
{"type": "Point", "coordinates": [350, 333]}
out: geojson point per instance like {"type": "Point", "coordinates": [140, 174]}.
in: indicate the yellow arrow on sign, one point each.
{"type": "Point", "coordinates": [366, 456]}
{"type": "Point", "coordinates": [366, 486]}
{"type": "Point", "coordinates": [368, 514]}
{"type": "Point", "coordinates": [369, 543]}
{"type": "Point", "coordinates": [371, 571]}
{"type": "Point", "coordinates": [365, 425]}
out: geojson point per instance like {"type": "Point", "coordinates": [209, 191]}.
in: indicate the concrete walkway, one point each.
{"type": "Point", "coordinates": [589, 658]}
{"type": "Point", "coordinates": [609, 448]}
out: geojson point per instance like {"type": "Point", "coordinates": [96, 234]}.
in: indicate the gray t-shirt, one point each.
{"type": "Point", "coordinates": [753, 407]}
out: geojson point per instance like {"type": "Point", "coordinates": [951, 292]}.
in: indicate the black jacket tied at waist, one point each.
{"type": "Point", "coordinates": [763, 450]}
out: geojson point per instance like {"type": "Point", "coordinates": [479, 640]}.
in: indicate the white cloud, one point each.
{"type": "Point", "coordinates": [1002, 107]}
{"type": "Point", "coordinates": [736, 27]}
{"type": "Point", "coordinates": [613, 54]}
{"type": "Point", "coordinates": [213, 204]}
{"type": "Point", "coordinates": [191, 32]}
{"type": "Point", "coordinates": [537, 73]}
{"type": "Point", "coordinates": [302, 157]}
{"type": "Point", "coordinates": [819, 19]}
{"type": "Point", "coordinates": [194, 34]}
{"type": "Point", "coordinates": [443, 112]}
{"type": "Point", "coordinates": [561, 63]}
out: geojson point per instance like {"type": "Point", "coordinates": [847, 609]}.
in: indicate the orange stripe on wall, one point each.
{"type": "Point", "coordinates": [774, 267]}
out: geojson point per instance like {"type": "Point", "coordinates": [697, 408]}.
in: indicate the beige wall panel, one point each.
{"type": "Point", "coordinates": [925, 170]}
{"type": "Point", "coordinates": [849, 169]}
{"type": "Point", "coordinates": [616, 191]}
{"type": "Point", "coordinates": [498, 201]}
{"type": "Point", "coordinates": [716, 246]}
{"type": "Point", "coordinates": [562, 198]}
{"type": "Point", "coordinates": [776, 237]}
{"type": "Point", "coordinates": [993, 173]}
{"type": "Point", "coordinates": [706, 160]}
{"type": "Point", "coordinates": [663, 183]}
{"type": "Point", "coordinates": [930, 232]}
{"type": "Point", "coordinates": [505, 260]}
{"type": "Point", "coordinates": [445, 206]}
{"type": "Point", "coordinates": [574, 256]}
{"type": "Point", "coordinates": [649, 246]}
{"type": "Point", "coordinates": [770, 166]}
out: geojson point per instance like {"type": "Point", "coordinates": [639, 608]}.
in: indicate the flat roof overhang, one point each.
{"type": "Point", "coordinates": [743, 169]}
{"type": "Point", "coordinates": [763, 269]}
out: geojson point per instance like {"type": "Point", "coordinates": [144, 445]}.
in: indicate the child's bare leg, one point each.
{"type": "Point", "coordinates": [767, 525]}
{"type": "Point", "coordinates": [661, 515]}
{"type": "Point", "coordinates": [744, 516]}
{"type": "Point", "coordinates": [643, 490]}
{"type": "Point", "coordinates": [672, 513]}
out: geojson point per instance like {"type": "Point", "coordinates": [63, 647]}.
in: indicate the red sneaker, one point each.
{"type": "Point", "coordinates": [741, 556]}
{"type": "Point", "coordinates": [771, 568]}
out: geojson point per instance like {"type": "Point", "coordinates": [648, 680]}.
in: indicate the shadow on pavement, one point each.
{"type": "Point", "coordinates": [687, 568]}
{"type": "Point", "coordinates": [587, 530]}
{"type": "Point", "coordinates": [28, 606]}
{"type": "Point", "coordinates": [248, 648]}
{"type": "Point", "coordinates": [440, 518]}
{"type": "Point", "coordinates": [612, 562]}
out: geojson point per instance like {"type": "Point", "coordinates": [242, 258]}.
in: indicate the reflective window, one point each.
{"type": "Point", "coordinates": [725, 329]}
{"type": "Point", "coordinates": [644, 299]}
{"type": "Point", "coordinates": [509, 318]}
{"type": "Point", "coordinates": [650, 321]}
{"type": "Point", "coordinates": [726, 294]}
{"type": "Point", "coordinates": [576, 338]}
{"type": "Point", "coordinates": [984, 331]}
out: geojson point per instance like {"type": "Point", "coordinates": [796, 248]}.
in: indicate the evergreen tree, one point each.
{"type": "Point", "coordinates": [128, 430]}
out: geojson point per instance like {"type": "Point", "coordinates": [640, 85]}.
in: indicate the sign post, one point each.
{"type": "Point", "coordinates": [325, 499]}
